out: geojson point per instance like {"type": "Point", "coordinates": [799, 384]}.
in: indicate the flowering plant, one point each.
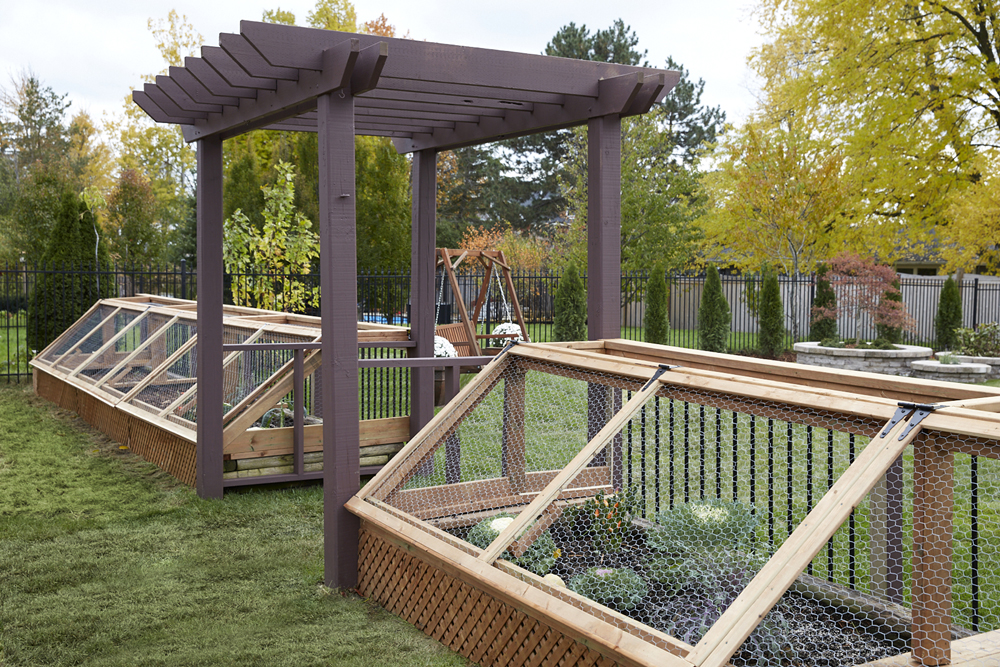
{"type": "Point", "coordinates": [610, 517]}
{"type": "Point", "coordinates": [509, 329]}
{"type": "Point", "coordinates": [442, 348]}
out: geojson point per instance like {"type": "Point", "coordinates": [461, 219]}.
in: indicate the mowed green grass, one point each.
{"type": "Point", "coordinates": [108, 561]}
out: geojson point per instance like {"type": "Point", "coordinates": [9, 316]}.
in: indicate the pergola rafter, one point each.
{"type": "Point", "coordinates": [427, 97]}
{"type": "Point", "coordinates": [424, 95]}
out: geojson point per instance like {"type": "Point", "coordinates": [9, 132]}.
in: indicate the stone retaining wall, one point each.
{"type": "Point", "coordinates": [889, 362]}
{"type": "Point", "coordinates": [993, 363]}
{"type": "Point", "coordinates": [929, 369]}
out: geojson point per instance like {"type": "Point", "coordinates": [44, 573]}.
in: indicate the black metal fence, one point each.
{"type": "Point", "coordinates": [384, 297]}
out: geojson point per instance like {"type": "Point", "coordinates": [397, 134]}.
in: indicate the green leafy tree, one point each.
{"type": "Point", "coordinates": [383, 205]}
{"type": "Point", "coordinates": [771, 337]}
{"type": "Point", "coordinates": [32, 124]}
{"type": "Point", "coordinates": [75, 257]}
{"type": "Point", "coordinates": [660, 198]}
{"type": "Point", "coordinates": [133, 235]}
{"type": "Point", "coordinates": [949, 315]}
{"type": "Point", "coordinates": [40, 157]}
{"type": "Point", "coordinates": [713, 314]}
{"type": "Point", "coordinates": [36, 206]}
{"type": "Point", "coordinates": [333, 15]}
{"type": "Point", "coordinates": [274, 258]}
{"type": "Point", "coordinates": [538, 160]}
{"type": "Point", "coordinates": [159, 151]}
{"type": "Point", "coordinates": [824, 310]}
{"type": "Point", "coordinates": [657, 322]}
{"type": "Point", "coordinates": [570, 307]}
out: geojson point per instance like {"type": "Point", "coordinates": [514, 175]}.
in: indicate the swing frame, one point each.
{"type": "Point", "coordinates": [463, 334]}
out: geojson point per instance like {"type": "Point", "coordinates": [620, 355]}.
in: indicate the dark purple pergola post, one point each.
{"type": "Point", "coordinates": [339, 307]}
{"type": "Point", "coordinates": [208, 480]}
{"type": "Point", "coordinates": [604, 224]}
{"type": "Point", "coordinates": [422, 259]}
{"type": "Point", "coordinates": [604, 217]}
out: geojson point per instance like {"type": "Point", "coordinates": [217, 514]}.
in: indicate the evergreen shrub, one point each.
{"type": "Point", "coordinates": [771, 339]}
{"type": "Point", "coordinates": [657, 320]}
{"type": "Point", "coordinates": [71, 281]}
{"type": "Point", "coordinates": [570, 307]}
{"type": "Point", "coordinates": [949, 316]}
{"type": "Point", "coordinates": [713, 314]}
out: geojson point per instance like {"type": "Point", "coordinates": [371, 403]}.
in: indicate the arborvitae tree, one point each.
{"type": "Point", "coordinates": [949, 315]}
{"type": "Point", "coordinates": [771, 338]}
{"type": "Point", "coordinates": [657, 308]}
{"type": "Point", "coordinates": [570, 307]}
{"type": "Point", "coordinates": [713, 314]}
{"type": "Point", "coordinates": [824, 311]}
{"type": "Point", "coordinates": [74, 259]}
{"type": "Point", "coordinates": [885, 332]}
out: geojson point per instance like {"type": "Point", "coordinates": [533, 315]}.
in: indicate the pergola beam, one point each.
{"type": "Point", "coordinates": [618, 96]}
{"type": "Point", "coordinates": [181, 98]}
{"type": "Point", "coordinates": [247, 57]}
{"type": "Point", "coordinates": [294, 46]}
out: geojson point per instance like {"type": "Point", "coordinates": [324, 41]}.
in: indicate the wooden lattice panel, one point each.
{"type": "Point", "coordinates": [162, 448]}
{"type": "Point", "coordinates": [172, 454]}
{"type": "Point", "coordinates": [464, 618]}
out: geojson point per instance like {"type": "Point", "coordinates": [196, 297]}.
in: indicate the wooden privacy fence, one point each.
{"type": "Point", "coordinates": [531, 446]}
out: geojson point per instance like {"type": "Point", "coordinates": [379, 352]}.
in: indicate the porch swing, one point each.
{"type": "Point", "coordinates": [465, 334]}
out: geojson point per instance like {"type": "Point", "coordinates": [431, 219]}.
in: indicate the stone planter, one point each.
{"type": "Point", "coordinates": [993, 363]}
{"type": "Point", "coordinates": [931, 369]}
{"type": "Point", "coordinates": [889, 362]}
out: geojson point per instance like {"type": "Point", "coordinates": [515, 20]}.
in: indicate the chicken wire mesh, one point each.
{"type": "Point", "coordinates": [82, 344]}
{"type": "Point", "coordinates": [666, 524]}
{"type": "Point", "coordinates": [74, 335]}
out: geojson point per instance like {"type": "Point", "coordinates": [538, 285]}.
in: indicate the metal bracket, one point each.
{"type": "Point", "coordinates": [922, 410]}
{"type": "Point", "coordinates": [901, 413]}
{"type": "Point", "coordinates": [510, 344]}
{"type": "Point", "coordinates": [656, 376]}
{"type": "Point", "coordinates": [916, 413]}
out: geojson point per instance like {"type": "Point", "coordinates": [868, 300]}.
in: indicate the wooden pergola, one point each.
{"type": "Point", "coordinates": [428, 97]}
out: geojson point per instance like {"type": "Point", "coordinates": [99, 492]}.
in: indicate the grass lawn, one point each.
{"type": "Point", "coordinates": [108, 561]}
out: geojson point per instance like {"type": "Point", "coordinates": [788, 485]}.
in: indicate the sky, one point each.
{"type": "Point", "coordinates": [98, 52]}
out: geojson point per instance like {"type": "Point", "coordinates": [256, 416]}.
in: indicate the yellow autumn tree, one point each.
{"type": "Point", "coordinates": [971, 237]}
{"type": "Point", "coordinates": [906, 90]}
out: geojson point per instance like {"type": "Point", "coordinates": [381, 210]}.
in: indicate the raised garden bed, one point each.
{"type": "Point", "coordinates": [543, 441]}
{"type": "Point", "coordinates": [889, 362]}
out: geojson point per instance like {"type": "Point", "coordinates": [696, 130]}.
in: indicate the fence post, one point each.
{"type": "Point", "coordinates": [933, 491]}
{"type": "Point", "coordinates": [184, 279]}
{"type": "Point", "coordinates": [975, 302]}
